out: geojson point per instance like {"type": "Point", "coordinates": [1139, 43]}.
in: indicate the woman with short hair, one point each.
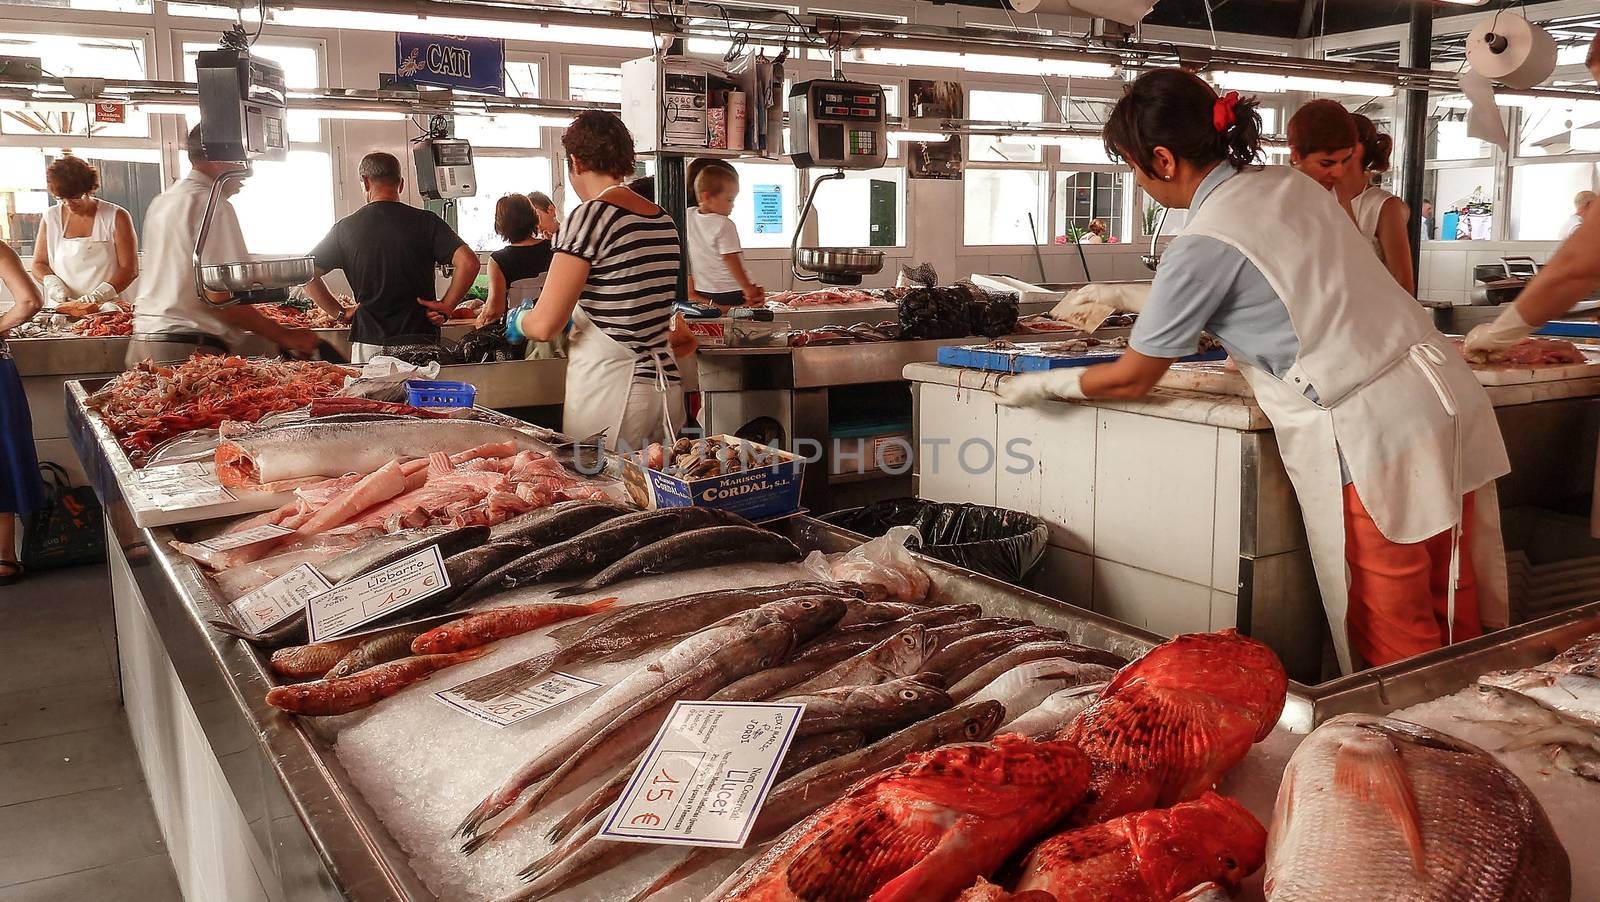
{"type": "Point", "coordinates": [87, 250]}
{"type": "Point", "coordinates": [516, 271]}
{"type": "Point", "coordinates": [615, 276]}
{"type": "Point", "coordinates": [549, 225]}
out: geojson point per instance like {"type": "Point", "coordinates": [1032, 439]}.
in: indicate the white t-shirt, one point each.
{"type": "Point", "coordinates": [167, 300]}
{"type": "Point", "coordinates": [710, 236]}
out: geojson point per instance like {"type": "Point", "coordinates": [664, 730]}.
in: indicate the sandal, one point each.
{"type": "Point", "coordinates": [11, 572]}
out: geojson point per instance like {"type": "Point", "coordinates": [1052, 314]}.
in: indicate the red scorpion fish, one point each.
{"type": "Point", "coordinates": [1151, 856]}
{"type": "Point", "coordinates": [922, 831]}
{"type": "Point", "coordinates": [1173, 723]}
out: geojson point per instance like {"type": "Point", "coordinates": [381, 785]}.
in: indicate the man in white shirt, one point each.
{"type": "Point", "coordinates": [1580, 204]}
{"type": "Point", "coordinates": [170, 319]}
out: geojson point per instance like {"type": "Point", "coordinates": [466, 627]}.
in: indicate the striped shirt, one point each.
{"type": "Point", "coordinates": [633, 279]}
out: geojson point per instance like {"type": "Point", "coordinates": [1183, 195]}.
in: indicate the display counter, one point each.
{"type": "Point", "coordinates": [1174, 512]}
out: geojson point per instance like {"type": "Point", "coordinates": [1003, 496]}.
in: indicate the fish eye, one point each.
{"type": "Point", "coordinates": [907, 694]}
{"type": "Point", "coordinates": [1229, 864]}
{"type": "Point", "coordinates": [808, 605]}
{"type": "Point", "coordinates": [971, 729]}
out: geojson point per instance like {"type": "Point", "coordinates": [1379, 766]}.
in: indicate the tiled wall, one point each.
{"type": "Point", "coordinates": [1445, 270]}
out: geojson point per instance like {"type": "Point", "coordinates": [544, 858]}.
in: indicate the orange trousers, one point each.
{"type": "Point", "coordinates": [1398, 601]}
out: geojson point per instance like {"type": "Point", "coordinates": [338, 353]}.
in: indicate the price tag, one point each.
{"type": "Point", "coordinates": [172, 472]}
{"type": "Point", "coordinates": [183, 486]}
{"type": "Point", "coordinates": [276, 601]}
{"type": "Point", "coordinates": [513, 707]}
{"type": "Point", "coordinates": [232, 540]}
{"type": "Point", "coordinates": [706, 775]}
{"type": "Point", "coordinates": [404, 582]}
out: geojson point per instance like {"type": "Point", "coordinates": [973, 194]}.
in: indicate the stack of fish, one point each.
{"type": "Point", "coordinates": [1556, 705]}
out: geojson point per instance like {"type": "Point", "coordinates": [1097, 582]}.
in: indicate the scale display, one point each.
{"type": "Point", "coordinates": [838, 124]}
{"type": "Point", "coordinates": [444, 168]}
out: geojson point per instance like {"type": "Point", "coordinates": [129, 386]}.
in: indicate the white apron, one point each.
{"type": "Point", "coordinates": [602, 394]}
{"type": "Point", "coordinates": [82, 263]}
{"type": "Point", "coordinates": [1416, 429]}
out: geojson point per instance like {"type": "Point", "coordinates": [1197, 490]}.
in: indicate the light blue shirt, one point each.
{"type": "Point", "coordinates": [1206, 285]}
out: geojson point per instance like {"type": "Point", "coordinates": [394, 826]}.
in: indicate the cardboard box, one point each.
{"type": "Point", "coordinates": [756, 493]}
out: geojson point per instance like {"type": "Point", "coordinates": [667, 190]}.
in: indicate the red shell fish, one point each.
{"type": "Point", "coordinates": [922, 831]}
{"type": "Point", "coordinates": [1152, 856]}
{"type": "Point", "coordinates": [1173, 723]}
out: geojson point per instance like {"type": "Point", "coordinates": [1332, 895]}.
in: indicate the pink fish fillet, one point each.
{"type": "Point", "coordinates": [384, 483]}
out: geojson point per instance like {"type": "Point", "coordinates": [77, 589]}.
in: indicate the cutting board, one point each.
{"type": "Point", "coordinates": [1212, 378]}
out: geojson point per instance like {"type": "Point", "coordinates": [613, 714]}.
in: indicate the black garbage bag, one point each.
{"type": "Point", "coordinates": [993, 314]}
{"type": "Point", "coordinates": [421, 350]}
{"type": "Point", "coordinates": [1007, 545]}
{"type": "Point", "coordinates": [934, 313]}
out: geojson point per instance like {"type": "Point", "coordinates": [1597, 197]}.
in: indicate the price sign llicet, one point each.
{"type": "Point", "coordinates": [519, 705]}
{"type": "Point", "coordinates": [706, 775]}
{"type": "Point", "coordinates": [360, 601]}
{"type": "Point", "coordinates": [274, 602]}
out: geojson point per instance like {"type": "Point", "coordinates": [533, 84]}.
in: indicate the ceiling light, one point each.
{"type": "Point", "coordinates": [900, 137]}
{"type": "Point", "coordinates": [1268, 83]}
{"type": "Point", "coordinates": [368, 115]}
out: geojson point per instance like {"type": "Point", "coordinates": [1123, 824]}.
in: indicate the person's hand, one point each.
{"type": "Point", "coordinates": [1031, 388]}
{"type": "Point", "coordinates": [1129, 297]}
{"type": "Point", "coordinates": [301, 341]}
{"type": "Point", "coordinates": [1490, 340]}
{"type": "Point", "coordinates": [55, 290]}
{"type": "Point", "coordinates": [102, 293]}
{"type": "Point", "coordinates": [754, 295]}
{"type": "Point", "coordinates": [438, 311]}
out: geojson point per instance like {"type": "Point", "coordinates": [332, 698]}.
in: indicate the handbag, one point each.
{"type": "Point", "coordinates": [67, 529]}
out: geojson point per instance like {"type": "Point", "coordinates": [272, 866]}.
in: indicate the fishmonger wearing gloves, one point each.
{"type": "Point", "coordinates": [88, 252]}
{"type": "Point", "coordinates": [1386, 434]}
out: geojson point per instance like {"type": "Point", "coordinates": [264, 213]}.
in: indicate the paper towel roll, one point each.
{"type": "Point", "coordinates": [1483, 120]}
{"type": "Point", "coordinates": [1128, 12]}
{"type": "Point", "coordinates": [736, 120]}
{"type": "Point", "coordinates": [1509, 49]}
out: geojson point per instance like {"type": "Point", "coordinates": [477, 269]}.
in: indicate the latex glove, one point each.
{"type": "Point", "coordinates": [1489, 340]}
{"type": "Point", "coordinates": [1128, 298]}
{"type": "Point", "coordinates": [55, 290]}
{"type": "Point", "coordinates": [1031, 388]}
{"type": "Point", "coordinates": [514, 322]}
{"type": "Point", "coordinates": [101, 293]}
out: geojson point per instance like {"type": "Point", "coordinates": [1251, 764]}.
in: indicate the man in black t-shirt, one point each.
{"type": "Point", "coordinates": [388, 250]}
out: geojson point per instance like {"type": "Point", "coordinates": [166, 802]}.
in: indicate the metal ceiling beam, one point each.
{"type": "Point", "coordinates": [1308, 18]}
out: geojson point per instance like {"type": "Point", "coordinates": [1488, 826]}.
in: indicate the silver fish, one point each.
{"type": "Point", "coordinates": [1024, 686]}
{"type": "Point", "coordinates": [333, 449]}
{"type": "Point", "coordinates": [1022, 654]}
{"type": "Point", "coordinates": [900, 655]}
{"type": "Point", "coordinates": [1055, 711]}
{"type": "Point", "coordinates": [876, 710]}
{"type": "Point", "coordinates": [1376, 808]}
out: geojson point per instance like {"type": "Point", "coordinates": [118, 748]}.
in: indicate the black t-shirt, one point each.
{"type": "Point", "coordinates": [387, 250]}
{"type": "Point", "coordinates": [528, 261]}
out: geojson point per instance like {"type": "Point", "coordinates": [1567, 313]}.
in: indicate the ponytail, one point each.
{"type": "Point", "coordinates": [1376, 147]}
{"type": "Point", "coordinates": [1175, 109]}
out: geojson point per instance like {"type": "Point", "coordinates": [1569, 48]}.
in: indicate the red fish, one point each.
{"type": "Point", "coordinates": [922, 831]}
{"type": "Point", "coordinates": [1173, 723]}
{"type": "Point", "coordinates": [1151, 856]}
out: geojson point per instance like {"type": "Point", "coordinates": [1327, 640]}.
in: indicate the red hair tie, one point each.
{"type": "Point", "coordinates": [1223, 115]}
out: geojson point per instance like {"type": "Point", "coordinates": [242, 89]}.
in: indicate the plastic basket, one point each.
{"type": "Point", "coordinates": [425, 393]}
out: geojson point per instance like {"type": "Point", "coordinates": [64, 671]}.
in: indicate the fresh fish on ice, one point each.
{"type": "Point", "coordinates": [1025, 686]}
{"type": "Point", "coordinates": [1022, 654]}
{"type": "Point", "coordinates": [494, 624]}
{"type": "Point", "coordinates": [375, 649]}
{"type": "Point", "coordinates": [343, 695]}
{"type": "Point", "coordinates": [1377, 808]}
{"type": "Point", "coordinates": [900, 655]}
{"type": "Point", "coordinates": [1055, 712]}
{"type": "Point", "coordinates": [324, 448]}
{"type": "Point", "coordinates": [876, 710]}
{"type": "Point", "coordinates": [711, 546]}
{"type": "Point", "coordinates": [311, 661]}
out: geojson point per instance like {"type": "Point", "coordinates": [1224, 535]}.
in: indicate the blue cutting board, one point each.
{"type": "Point", "coordinates": [1020, 360]}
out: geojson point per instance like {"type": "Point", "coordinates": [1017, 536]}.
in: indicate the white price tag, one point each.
{"type": "Point", "coordinates": [514, 707]}
{"type": "Point", "coordinates": [173, 472]}
{"type": "Point", "coordinates": [274, 602]}
{"type": "Point", "coordinates": [232, 540]}
{"type": "Point", "coordinates": [706, 775]}
{"type": "Point", "coordinates": [404, 582]}
{"type": "Point", "coordinates": [183, 486]}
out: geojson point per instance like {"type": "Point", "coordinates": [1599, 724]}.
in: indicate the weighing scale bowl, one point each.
{"type": "Point", "coordinates": [258, 275]}
{"type": "Point", "coordinates": [839, 261]}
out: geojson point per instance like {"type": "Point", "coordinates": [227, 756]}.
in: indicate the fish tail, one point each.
{"type": "Point", "coordinates": [569, 591]}
{"type": "Point", "coordinates": [601, 605]}
{"type": "Point", "coordinates": [475, 842]}
{"type": "Point", "coordinates": [693, 862]}
{"type": "Point", "coordinates": [509, 679]}
{"type": "Point", "coordinates": [469, 826]}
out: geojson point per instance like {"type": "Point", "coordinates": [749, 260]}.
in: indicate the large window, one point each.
{"type": "Point", "coordinates": [129, 178]}
{"type": "Point", "coordinates": [1005, 206]}
{"type": "Point", "coordinates": [498, 176]}
{"type": "Point", "coordinates": [74, 55]}
{"type": "Point", "coordinates": [1542, 199]}
{"type": "Point", "coordinates": [595, 84]}
{"type": "Point", "coordinates": [508, 158]}
{"type": "Point", "coordinates": [1005, 106]}
{"type": "Point", "coordinates": [511, 131]}
{"type": "Point", "coordinates": [1557, 127]}
{"type": "Point", "coordinates": [1083, 197]}
{"type": "Point", "coordinates": [864, 209]}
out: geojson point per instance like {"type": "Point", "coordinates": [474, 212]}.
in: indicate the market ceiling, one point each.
{"type": "Point", "coordinates": [1279, 18]}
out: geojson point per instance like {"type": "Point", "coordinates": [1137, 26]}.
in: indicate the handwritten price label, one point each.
{"type": "Point", "coordinates": [706, 775]}
{"type": "Point", "coordinates": [276, 601]}
{"type": "Point", "coordinates": [403, 583]}
{"type": "Point", "coordinates": [505, 710]}
{"type": "Point", "coordinates": [232, 540]}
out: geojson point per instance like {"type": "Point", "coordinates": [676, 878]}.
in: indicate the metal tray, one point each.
{"type": "Point", "coordinates": [258, 275]}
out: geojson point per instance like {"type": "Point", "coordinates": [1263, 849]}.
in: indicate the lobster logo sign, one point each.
{"type": "Point", "coordinates": [463, 63]}
{"type": "Point", "coordinates": [411, 66]}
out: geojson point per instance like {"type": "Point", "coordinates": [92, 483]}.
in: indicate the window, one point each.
{"type": "Point", "coordinates": [497, 177]}
{"type": "Point", "coordinates": [595, 84]}
{"type": "Point", "coordinates": [74, 55]}
{"type": "Point", "coordinates": [1082, 197]}
{"type": "Point", "coordinates": [129, 178]}
{"type": "Point", "coordinates": [120, 6]}
{"type": "Point", "coordinates": [1447, 137]}
{"type": "Point", "coordinates": [1557, 127]}
{"type": "Point", "coordinates": [865, 209]}
{"type": "Point", "coordinates": [766, 211]}
{"type": "Point", "coordinates": [522, 80]}
{"type": "Point", "coordinates": [1542, 199]}
{"type": "Point", "coordinates": [999, 203]}
{"type": "Point", "coordinates": [1005, 106]}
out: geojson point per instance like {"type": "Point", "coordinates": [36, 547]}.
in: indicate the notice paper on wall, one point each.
{"type": "Point", "coordinates": [705, 777]}
{"type": "Point", "coordinates": [382, 592]}
{"type": "Point", "coordinates": [520, 704]}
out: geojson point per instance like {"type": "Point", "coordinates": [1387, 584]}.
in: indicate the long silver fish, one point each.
{"type": "Point", "coordinates": [676, 664]}
{"type": "Point", "coordinates": [900, 655]}
{"type": "Point", "coordinates": [1055, 711]}
{"type": "Point", "coordinates": [1376, 808]}
{"type": "Point", "coordinates": [333, 449]}
{"type": "Point", "coordinates": [1022, 654]}
{"type": "Point", "coordinates": [1568, 684]}
{"type": "Point", "coordinates": [876, 710]}
{"type": "Point", "coordinates": [1024, 686]}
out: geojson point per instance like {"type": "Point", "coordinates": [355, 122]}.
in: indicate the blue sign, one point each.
{"type": "Point", "coordinates": [769, 209]}
{"type": "Point", "coordinates": [466, 64]}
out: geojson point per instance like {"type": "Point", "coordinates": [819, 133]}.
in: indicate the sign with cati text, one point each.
{"type": "Point", "coordinates": [448, 61]}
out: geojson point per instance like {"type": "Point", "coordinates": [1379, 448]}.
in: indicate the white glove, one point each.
{"type": "Point", "coordinates": [1064, 384]}
{"type": "Point", "coordinates": [55, 290]}
{"type": "Point", "coordinates": [1489, 340]}
{"type": "Point", "coordinates": [101, 293]}
{"type": "Point", "coordinates": [1128, 297]}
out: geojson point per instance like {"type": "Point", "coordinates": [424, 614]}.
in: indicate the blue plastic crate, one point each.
{"type": "Point", "coordinates": [1571, 328]}
{"type": "Point", "coordinates": [979, 357]}
{"type": "Point", "coordinates": [426, 393]}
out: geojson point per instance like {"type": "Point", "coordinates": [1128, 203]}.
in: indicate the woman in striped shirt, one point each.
{"type": "Point", "coordinates": [615, 276]}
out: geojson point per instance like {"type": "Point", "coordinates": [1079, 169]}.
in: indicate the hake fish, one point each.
{"type": "Point", "coordinates": [1568, 684]}
{"type": "Point", "coordinates": [1022, 654]}
{"type": "Point", "coordinates": [1376, 808]}
{"type": "Point", "coordinates": [557, 522]}
{"type": "Point", "coordinates": [900, 655]}
{"type": "Point", "coordinates": [876, 710]}
{"type": "Point", "coordinates": [711, 546]}
{"type": "Point", "coordinates": [1055, 712]}
{"type": "Point", "coordinates": [333, 449]}
{"type": "Point", "coordinates": [1025, 686]}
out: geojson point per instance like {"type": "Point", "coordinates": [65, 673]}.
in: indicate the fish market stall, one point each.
{"type": "Point", "coordinates": [1174, 513]}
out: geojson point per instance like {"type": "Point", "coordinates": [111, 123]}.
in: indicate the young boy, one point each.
{"type": "Point", "coordinates": [716, 264]}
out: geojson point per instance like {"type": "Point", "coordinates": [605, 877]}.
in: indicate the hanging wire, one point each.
{"type": "Point", "coordinates": [1211, 23]}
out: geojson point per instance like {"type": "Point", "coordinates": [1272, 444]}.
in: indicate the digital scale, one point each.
{"type": "Point", "coordinates": [839, 125]}
{"type": "Point", "coordinates": [444, 168]}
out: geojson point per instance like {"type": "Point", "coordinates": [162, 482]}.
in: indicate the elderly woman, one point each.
{"type": "Point", "coordinates": [20, 490]}
{"type": "Point", "coordinates": [88, 251]}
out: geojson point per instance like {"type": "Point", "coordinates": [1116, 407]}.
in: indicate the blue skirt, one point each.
{"type": "Point", "coordinates": [20, 488]}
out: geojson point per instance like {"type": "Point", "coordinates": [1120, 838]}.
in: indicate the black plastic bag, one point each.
{"type": "Point", "coordinates": [933, 313]}
{"type": "Point", "coordinates": [419, 350]}
{"type": "Point", "coordinates": [992, 315]}
{"type": "Point", "coordinates": [1007, 545]}
{"type": "Point", "coordinates": [487, 345]}
{"type": "Point", "coordinates": [67, 529]}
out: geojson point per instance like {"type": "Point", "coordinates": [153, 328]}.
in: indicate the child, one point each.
{"type": "Point", "coordinates": [716, 263]}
